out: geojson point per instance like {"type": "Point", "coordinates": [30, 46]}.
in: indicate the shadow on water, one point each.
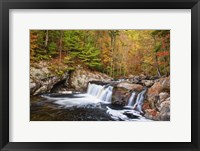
{"type": "Point", "coordinates": [43, 109]}
{"type": "Point", "coordinates": [78, 107]}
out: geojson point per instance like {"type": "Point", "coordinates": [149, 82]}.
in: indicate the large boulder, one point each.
{"type": "Point", "coordinates": [130, 86]}
{"type": "Point", "coordinates": [162, 114]}
{"type": "Point", "coordinates": [80, 78]}
{"type": "Point", "coordinates": [152, 114]}
{"type": "Point", "coordinates": [42, 80]}
{"type": "Point", "coordinates": [163, 96]}
{"type": "Point", "coordinates": [164, 109]}
{"type": "Point", "coordinates": [122, 92]}
{"type": "Point", "coordinates": [147, 83]}
{"type": "Point", "coordinates": [161, 88]}
{"type": "Point", "coordinates": [161, 85]}
{"type": "Point", "coordinates": [120, 96]}
{"type": "Point", "coordinates": [157, 105]}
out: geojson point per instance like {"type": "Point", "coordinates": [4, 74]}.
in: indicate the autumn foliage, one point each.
{"type": "Point", "coordinates": [118, 53]}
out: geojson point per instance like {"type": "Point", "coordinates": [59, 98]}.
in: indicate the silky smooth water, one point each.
{"type": "Point", "coordinates": [95, 105]}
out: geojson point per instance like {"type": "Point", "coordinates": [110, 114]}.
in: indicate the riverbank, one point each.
{"type": "Point", "coordinates": [148, 95]}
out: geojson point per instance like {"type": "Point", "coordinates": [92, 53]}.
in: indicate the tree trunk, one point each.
{"type": "Point", "coordinates": [60, 44]}
{"type": "Point", "coordinates": [111, 63]}
{"type": "Point", "coordinates": [158, 71]}
{"type": "Point", "coordinates": [157, 67]}
{"type": "Point", "coordinates": [46, 38]}
{"type": "Point", "coordinates": [156, 59]}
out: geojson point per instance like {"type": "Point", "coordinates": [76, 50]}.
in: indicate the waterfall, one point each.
{"type": "Point", "coordinates": [103, 93]}
{"type": "Point", "coordinates": [139, 101]}
{"type": "Point", "coordinates": [131, 99]}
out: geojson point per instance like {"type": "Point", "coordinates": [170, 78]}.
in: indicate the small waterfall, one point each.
{"type": "Point", "coordinates": [139, 101]}
{"type": "Point", "coordinates": [103, 93]}
{"type": "Point", "coordinates": [131, 99]}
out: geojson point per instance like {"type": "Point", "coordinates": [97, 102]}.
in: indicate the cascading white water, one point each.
{"type": "Point", "coordinates": [139, 101]}
{"type": "Point", "coordinates": [101, 92]}
{"type": "Point", "coordinates": [131, 99]}
{"type": "Point", "coordinates": [97, 93]}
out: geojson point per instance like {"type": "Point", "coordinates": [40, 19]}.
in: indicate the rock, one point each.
{"type": "Point", "coordinates": [122, 92]}
{"type": "Point", "coordinates": [165, 84]}
{"type": "Point", "coordinates": [130, 76]}
{"type": "Point", "coordinates": [33, 87]}
{"type": "Point", "coordinates": [41, 90]}
{"type": "Point", "coordinates": [153, 77]}
{"type": "Point", "coordinates": [157, 105]}
{"type": "Point", "coordinates": [145, 106]}
{"type": "Point", "coordinates": [152, 114]}
{"type": "Point", "coordinates": [120, 96]}
{"type": "Point", "coordinates": [39, 74]}
{"type": "Point", "coordinates": [148, 83]}
{"type": "Point", "coordinates": [164, 111]}
{"type": "Point", "coordinates": [164, 106]}
{"type": "Point", "coordinates": [155, 89]}
{"type": "Point", "coordinates": [164, 116]}
{"type": "Point", "coordinates": [42, 80]}
{"type": "Point", "coordinates": [137, 77]}
{"type": "Point", "coordinates": [103, 83]}
{"type": "Point", "coordinates": [162, 85]}
{"type": "Point", "coordinates": [130, 86]}
{"type": "Point", "coordinates": [80, 78]}
{"type": "Point", "coordinates": [163, 96]}
{"type": "Point", "coordinates": [143, 77]}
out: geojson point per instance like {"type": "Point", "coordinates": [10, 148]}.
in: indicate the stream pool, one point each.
{"type": "Point", "coordinates": [78, 107]}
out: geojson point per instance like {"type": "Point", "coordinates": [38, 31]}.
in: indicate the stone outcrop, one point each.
{"type": "Point", "coordinates": [42, 80]}
{"type": "Point", "coordinates": [80, 78]}
{"type": "Point", "coordinates": [157, 105]}
{"type": "Point", "coordinates": [122, 92]}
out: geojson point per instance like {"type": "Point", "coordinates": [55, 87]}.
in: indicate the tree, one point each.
{"type": "Point", "coordinates": [118, 53]}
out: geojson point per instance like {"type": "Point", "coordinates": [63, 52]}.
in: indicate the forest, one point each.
{"type": "Point", "coordinates": [117, 53]}
{"type": "Point", "coordinates": [100, 75]}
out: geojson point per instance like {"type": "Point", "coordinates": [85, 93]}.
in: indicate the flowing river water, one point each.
{"type": "Point", "coordinates": [95, 105]}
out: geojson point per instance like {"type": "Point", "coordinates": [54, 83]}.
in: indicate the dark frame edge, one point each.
{"type": "Point", "coordinates": [194, 74]}
{"type": "Point", "coordinates": [198, 82]}
{"type": "Point", "coordinates": [4, 87]}
{"type": "Point", "coordinates": [4, 69]}
{"type": "Point", "coordinates": [1, 65]}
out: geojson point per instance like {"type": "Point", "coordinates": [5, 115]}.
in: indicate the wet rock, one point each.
{"type": "Point", "coordinates": [80, 78]}
{"type": "Point", "coordinates": [120, 96]}
{"type": "Point", "coordinates": [163, 96]}
{"type": "Point", "coordinates": [152, 114]}
{"type": "Point", "coordinates": [162, 85]}
{"type": "Point", "coordinates": [165, 84]}
{"type": "Point", "coordinates": [157, 105]}
{"type": "Point", "coordinates": [148, 83]}
{"type": "Point", "coordinates": [42, 80]}
{"type": "Point", "coordinates": [164, 116]}
{"type": "Point", "coordinates": [122, 92]}
{"type": "Point", "coordinates": [130, 86]}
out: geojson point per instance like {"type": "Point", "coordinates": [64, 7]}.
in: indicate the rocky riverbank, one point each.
{"type": "Point", "coordinates": [156, 104]}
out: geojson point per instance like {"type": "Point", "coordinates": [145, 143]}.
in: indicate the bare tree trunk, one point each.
{"type": "Point", "coordinates": [156, 59]}
{"type": "Point", "coordinates": [60, 44]}
{"type": "Point", "coordinates": [158, 71]}
{"type": "Point", "coordinates": [46, 38]}
{"type": "Point", "coordinates": [157, 67]}
{"type": "Point", "coordinates": [165, 67]}
{"type": "Point", "coordinates": [111, 63]}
